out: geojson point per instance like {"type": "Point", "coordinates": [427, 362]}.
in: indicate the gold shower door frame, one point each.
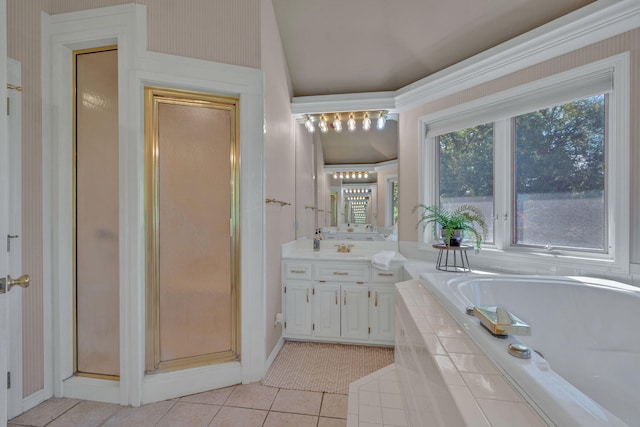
{"type": "Point", "coordinates": [154, 97]}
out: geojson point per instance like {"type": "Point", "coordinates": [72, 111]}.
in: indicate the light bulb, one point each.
{"type": "Point", "coordinates": [309, 125]}
{"type": "Point", "coordinates": [366, 122]}
{"type": "Point", "coordinates": [353, 175]}
{"type": "Point", "coordinates": [341, 175]}
{"type": "Point", "coordinates": [335, 175]}
{"type": "Point", "coordinates": [382, 119]}
{"type": "Point", "coordinates": [337, 124]}
{"type": "Point", "coordinates": [324, 127]}
{"type": "Point", "coordinates": [359, 174]}
{"type": "Point", "coordinates": [351, 123]}
{"type": "Point", "coordinates": [366, 175]}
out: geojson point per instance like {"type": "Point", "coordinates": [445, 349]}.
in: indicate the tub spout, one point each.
{"type": "Point", "coordinates": [500, 322]}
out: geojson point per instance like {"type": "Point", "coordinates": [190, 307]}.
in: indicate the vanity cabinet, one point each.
{"type": "Point", "coordinates": [339, 301]}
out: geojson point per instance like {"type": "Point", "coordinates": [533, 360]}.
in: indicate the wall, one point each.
{"type": "Point", "coordinates": [383, 210]}
{"type": "Point", "coordinates": [280, 166]}
{"type": "Point", "coordinates": [409, 137]}
{"type": "Point", "coordinates": [323, 192]}
{"type": "Point", "coordinates": [305, 186]}
{"type": "Point", "coordinates": [224, 31]}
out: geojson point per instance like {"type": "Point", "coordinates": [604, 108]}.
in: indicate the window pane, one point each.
{"type": "Point", "coordinates": [560, 175]}
{"type": "Point", "coordinates": [466, 170]}
{"type": "Point", "coordinates": [394, 202]}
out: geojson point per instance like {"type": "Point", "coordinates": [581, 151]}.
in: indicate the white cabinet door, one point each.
{"type": "Point", "coordinates": [355, 311]}
{"type": "Point", "coordinates": [382, 313]}
{"type": "Point", "coordinates": [297, 308]}
{"type": "Point", "coordinates": [326, 310]}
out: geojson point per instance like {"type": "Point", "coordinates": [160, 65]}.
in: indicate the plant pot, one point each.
{"type": "Point", "coordinates": [456, 237]}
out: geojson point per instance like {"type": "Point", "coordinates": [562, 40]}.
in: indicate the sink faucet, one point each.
{"type": "Point", "coordinates": [343, 249]}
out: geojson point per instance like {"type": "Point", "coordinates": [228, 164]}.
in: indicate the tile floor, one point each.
{"type": "Point", "coordinates": [238, 406]}
{"type": "Point", "coordinates": [376, 400]}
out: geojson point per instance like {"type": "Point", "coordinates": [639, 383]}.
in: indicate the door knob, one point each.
{"type": "Point", "coordinates": [7, 283]}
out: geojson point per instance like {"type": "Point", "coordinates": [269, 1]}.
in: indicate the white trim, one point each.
{"type": "Point", "coordinates": [274, 353]}
{"type": "Point", "coordinates": [49, 329]}
{"type": "Point", "coordinates": [590, 24]}
{"type": "Point", "coordinates": [370, 167]}
{"type": "Point", "coordinates": [92, 389]}
{"type": "Point", "coordinates": [126, 26]}
{"type": "Point", "coordinates": [341, 103]}
{"type": "Point", "coordinates": [189, 381]}
{"type": "Point", "coordinates": [590, 79]}
{"type": "Point", "coordinates": [499, 108]}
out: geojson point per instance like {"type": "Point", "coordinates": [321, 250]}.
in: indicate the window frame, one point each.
{"type": "Point", "coordinates": [610, 76]}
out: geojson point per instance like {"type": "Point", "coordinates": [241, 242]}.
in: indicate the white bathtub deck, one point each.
{"type": "Point", "coordinates": [435, 352]}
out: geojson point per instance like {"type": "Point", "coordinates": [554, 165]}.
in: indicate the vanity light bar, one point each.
{"type": "Point", "coordinates": [325, 124]}
{"type": "Point", "coordinates": [351, 174]}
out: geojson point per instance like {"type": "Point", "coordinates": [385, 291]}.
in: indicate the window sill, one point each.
{"type": "Point", "coordinates": [521, 260]}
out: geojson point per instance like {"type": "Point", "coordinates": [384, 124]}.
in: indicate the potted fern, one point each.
{"type": "Point", "coordinates": [453, 223]}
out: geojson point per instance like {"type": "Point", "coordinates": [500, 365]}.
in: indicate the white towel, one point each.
{"type": "Point", "coordinates": [382, 259]}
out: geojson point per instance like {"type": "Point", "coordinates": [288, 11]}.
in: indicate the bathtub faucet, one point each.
{"type": "Point", "coordinates": [500, 322]}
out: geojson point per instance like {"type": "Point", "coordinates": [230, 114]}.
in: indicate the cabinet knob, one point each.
{"type": "Point", "coordinates": [345, 297]}
{"type": "Point", "coordinates": [336, 297]}
{"type": "Point", "coordinates": [376, 299]}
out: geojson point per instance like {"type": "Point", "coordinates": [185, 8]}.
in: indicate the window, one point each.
{"type": "Point", "coordinates": [547, 163]}
{"type": "Point", "coordinates": [466, 170]}
{"type": "Point", "coordinates": [392, 197]}
{"type": "Point", "coordinates": [559, 168]}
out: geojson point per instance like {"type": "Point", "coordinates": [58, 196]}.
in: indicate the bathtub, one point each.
{"type": "Point", "coordinates": [585, 364]}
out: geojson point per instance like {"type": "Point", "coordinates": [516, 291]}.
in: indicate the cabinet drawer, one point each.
{"type": "Point", "coordinates": [333, 272]}
{"type": "Point", "coordinates": [393, 275]}
{"type": "Point", "coordinates": [297, 270]}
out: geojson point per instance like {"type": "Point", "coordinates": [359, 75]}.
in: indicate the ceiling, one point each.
{"type": "Point", "coordinates": [354, 46]}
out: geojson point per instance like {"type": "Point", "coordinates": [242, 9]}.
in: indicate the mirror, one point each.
{"type": "Point", "coordinates": [362, 171]}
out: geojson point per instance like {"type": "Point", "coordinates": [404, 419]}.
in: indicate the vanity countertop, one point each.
{"type": "Point", "coordinates": [360, 250]}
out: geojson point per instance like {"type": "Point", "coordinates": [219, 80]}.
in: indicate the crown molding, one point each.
{"type": "Point", "coordinates": [588, 25]}
{"type": "Point", "coordinates": [367, 101]}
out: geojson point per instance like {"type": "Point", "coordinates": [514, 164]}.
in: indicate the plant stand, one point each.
{"type": "Point", "coordinates": [458, 262]}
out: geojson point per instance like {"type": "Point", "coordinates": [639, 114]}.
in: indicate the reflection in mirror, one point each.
{"type": "Point", "coordinates": [366, 207]}
{"type": "Point", "coordinates": [351, 157]}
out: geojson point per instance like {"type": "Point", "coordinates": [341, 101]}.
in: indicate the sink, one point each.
{"type": "Point", "coordinates": [340, 255]}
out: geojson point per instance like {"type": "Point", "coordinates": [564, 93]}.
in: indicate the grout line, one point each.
{"type": "Point", "coordinates": [64, 412]}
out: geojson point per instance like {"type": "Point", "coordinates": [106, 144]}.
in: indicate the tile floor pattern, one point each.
{"type": "Point", "coordinates": [251, 405]}
{"type": "Point", "coordinates": [376, 400]}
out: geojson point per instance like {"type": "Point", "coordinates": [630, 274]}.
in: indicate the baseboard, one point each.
{"type": "Point", "coordinates": [33, 400]}
{"type": "Point", "coordinates": [274, 353]}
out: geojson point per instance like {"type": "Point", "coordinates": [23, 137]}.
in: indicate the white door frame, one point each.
{"type": "Point", "coordinates": [14, 298]}
{"type": "Point", "coordinates": [126, 26]}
